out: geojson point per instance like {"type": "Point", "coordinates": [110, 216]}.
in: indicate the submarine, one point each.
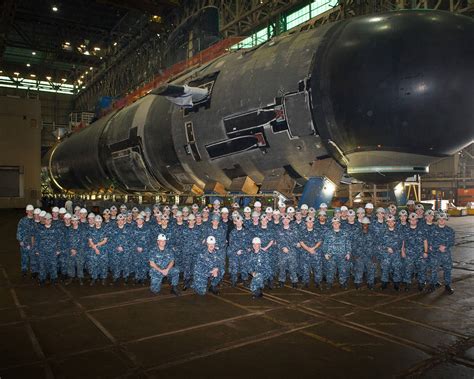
{"type": "Point", "coordinates": [381, 96]}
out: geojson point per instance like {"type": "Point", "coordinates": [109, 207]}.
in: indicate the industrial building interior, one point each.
{"type": "Point", "coordinates": [65, 65]}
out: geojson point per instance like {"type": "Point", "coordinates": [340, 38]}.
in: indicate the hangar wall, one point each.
{"type": "Point", "coordinates": [20, 151]}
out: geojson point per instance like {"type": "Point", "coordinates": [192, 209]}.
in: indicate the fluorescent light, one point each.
{"type": "Point", "coordinates": [33, 53]}
{"type": "Point", "coordinates": [33, 75]}
{"type": "Point", "coordinates": [96, 48]}
{"type": "Point", "coordinates": [115, 43]}
{"type": "Point", "coordinates": [16, 73]}
{"type": "Point", "coordinates": [48, 77]}
{"type": "Point", "coordinates": [28, 65]}
{"type": "Point", "coordinates": [54, 8]}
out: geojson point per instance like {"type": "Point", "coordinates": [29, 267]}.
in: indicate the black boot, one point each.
{"type": "Point", "coordinates": [186, 285]}
{"type": "Point", "coordinates": [255, 295]}
{"type": "Point", "coordinates": [281, 284]}
{"type": "Point", "coordinates": [448, 289]}
{"type": "Point", "coordinates": [23, 273]}
{"type": "Point", "coordinates": [370, 286]}
{"type": "Point", "coordinates": [67, 282]}
{"type": "Point", "coordinates": [104, 282]}
{"type": "Point", "coordinates": [407, 287]}
{"type": "Point", "coordinates": [420, 287]}
{"type": "Point", "coordinates": [294, 285]}
{"type": "Point", "coordinates": [270, 284]}
{"type": "Point", "coordinates": [344, 285]}
{"type": "Point", "coordinates": [396, 286]}
{"type": "Point", "coordinates": [357, 286]}
{"type": "Point", "coordinates": [214, 290]}
{"type": "Point", "coordinates": [431, 288]}
{"type": "Point", "coordinates": [41, 283]}
{"type": "Point", "coordinates": [92, 282]}
{"type": "Point", "coordinates": [81, 283]}
{"type": "Point", "coordinates": [175, 291]}
{"type": "Point", "coordinates": [306, 285]}
{"type": "Point", "coordinates": [384, 285]}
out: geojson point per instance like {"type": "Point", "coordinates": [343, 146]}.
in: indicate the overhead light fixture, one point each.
{"type": "Point", "coordinates": [1, 71]}
{"type": "Point", "coordinates": [86, 53]}
{"type": "Point", "coordinates": [91, 68]}
{"type": "Point", "coordinates": [115, 43]}
{"type": "Point", "coordinates": [48, 77]}
{"type": "Point", "coordinates": [82, 76]}
{"type": "Point", "coordinates": [33, 53]}
{"type": "Point", "coordinates": [87, 72]}
{"type": "Point", "coordinates": [100, 58]}
{"type": "Point", "coordinates": [33, 75]}
{"type": "Point", "coordinates": [16, 73]}
{"type": "Point", "coordinates": [67, 43]}
{"type": "Point", "coordinates": [83, 46]}
{"type": "Point", "coordinates": [28, 65]}
{"type": "Point", "coordinates": [96, 48]}
{"type": "Point", "coordinates": [54, 8]}
{"type": "Point", "coordinates": [64, 79]}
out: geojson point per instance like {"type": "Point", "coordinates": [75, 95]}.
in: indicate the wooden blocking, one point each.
{"type": "Point", "coordinates": [215, 187]}
{"type": "Point", "coordinates": [278, 180]}
{"type": "Point", "coordinates": [244, 184]}
{"type": "Point", "coordinates": [197, 190]}
{"type": "Point", "coordinates": [328, 168]}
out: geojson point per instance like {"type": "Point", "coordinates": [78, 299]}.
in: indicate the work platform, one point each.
{"type": "Point", "coordinates": [108, 332]}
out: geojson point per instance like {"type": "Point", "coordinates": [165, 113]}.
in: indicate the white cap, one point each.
{"type": "Point", "coordinates": [365, 220]}
{"type": "Point", "coordinates": [290, 210]}
{"type": "Point", "coordinates": [369, 206]}
{"type": "Point", "coordinates": [77, 208]}
{"type": "Point", "coordinates": [211, 240]}
{"type": "Point", "coordinates": [224, 210]}
{"type": "Point", "coordinates": [413, 216]}
{"type": "Point", "coordinates": [67, 215]}
{"type": "Point", "coordinates": [403, 212]}
{"type": "Point", "coordinates": [309, 219]}
{"type": "Point", "coordinates": [98, 218]}
{"type": "Point", "coordinates": [134, 209]}
{"type": "Point", "coordinates": [323, 205]}
{"type": "Point", "coordinates": [442, 215]}
{"type": "Point", "coordinates": [62, 211]}
{"type": "Point", "coordinates": [75, 218]}
{"type": "Point", "coordinates": [123, 206]}
{"type": "Point", "coordinates": [380, 210]}
{"type": "Point", "coordinates": [91, 215]}
{"type": "Point", "coordinates": [257, 204]}
{"type": "Point", "coordinates": [410, 202]}
{"type": "Point", "coordinates": [255, 214]}
{"type": "Point", "coordinates": [48, 216]}
{"type": "Point", "coordinates": [419, 206]}
{"type": "Point", "coordinates": [191, 217]}
{"type": "Point", "coordinates": [83, 210]}
{"type": "Point", "coordinates": [247, 210]}
{"type": "Point", "coordinates": [256, 240]}
{"type": "Point", "coordinates": [185, 209]}
{"type": "Point", "coordinates": [390, 218]}
{"type": "Point", "coordinates": [335, 219]}
{"type": "Point", "coordinates": [161, 237]}
{"type": "Point", "coordinates": [351, 213]}
{"type": "Point", "coordinates": [217, 202]}
{"type": "Point", "coordinates": [429, 212]}
{"type": "Point", "coordinates": [42, 213]}
{"type": "Point", "coordinates": [304, 207]}
{"type": "Point", "coordinates": [37, 211]}
{"type": "Point", "coordinates": [269, 210]}
{"type": "Point", "coordinates": [360, 210]}
{"type": "Point", "coordinates": [195, 206]}
{"type": "Point", "coordinates": [29, 207]}
{"type": "Point", "coordinates": [55, 210]}
{"type": "Point", "coordinates": [322, 213]}
{"type": "Point", "coordinates": [140, 217]}
{"type": "Point", "coordinates": [281, 205]}
{"type": "Point", "coordinates": [344, 208]}
{"type": "Point", "coordinates": [179, 214]}
{"type": "Point", "coordinates": [174, 206]}
{"type": "Point", "coordinates": [276, 212]}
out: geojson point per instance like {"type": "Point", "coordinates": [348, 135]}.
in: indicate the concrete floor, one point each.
{"type": "Point", "coordinates": [102, 332]}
